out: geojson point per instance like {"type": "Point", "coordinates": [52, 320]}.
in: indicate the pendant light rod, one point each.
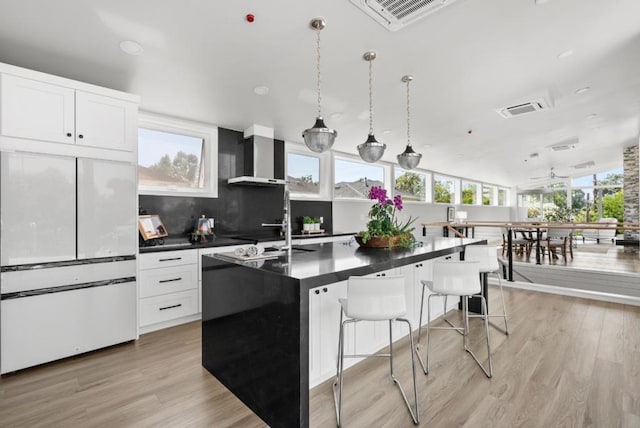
{"type": "Point", "coordinates": [407, 79]}
{"type": "Point", "coordinates": [318, 24]}
{"type": "Point", "coordinates": [370, 56]}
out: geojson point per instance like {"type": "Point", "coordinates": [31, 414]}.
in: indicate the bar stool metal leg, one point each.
{"type": "Point", "coordinates": [339, 382]}
{"type": "Point", "coordinates": [504, 307]}
{"type": "Point", "coordinates": [465, 304]}
{"type": "Point", "coordinates": [458, 329]}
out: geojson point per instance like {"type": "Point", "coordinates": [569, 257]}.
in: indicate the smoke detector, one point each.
{"type": "Point", "coordinates": [524, 108]}
{"type": "Point", "coordinates": [396, 14]}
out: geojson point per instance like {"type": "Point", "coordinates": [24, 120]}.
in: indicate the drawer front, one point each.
{"type": "Point", "coordinates": [168, 306]}
{"type": "Point", "coordinates": [168, 258]}
{"type": "Point", "coordinates": [155, 282]}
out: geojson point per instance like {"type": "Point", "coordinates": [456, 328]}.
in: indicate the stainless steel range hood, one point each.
{"type": "Point", "coordinates": [258, 158]}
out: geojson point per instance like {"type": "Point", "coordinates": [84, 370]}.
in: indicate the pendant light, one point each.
{"type": "Point", "coordinates": [371, 150]}
{"type": "Point", "coordinates": [319, 138]}
{"type": "Point", "coordinates": [408, 159]}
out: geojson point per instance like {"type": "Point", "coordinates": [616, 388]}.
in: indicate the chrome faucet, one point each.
{"type": "Point", "coordinates": [286, 220]}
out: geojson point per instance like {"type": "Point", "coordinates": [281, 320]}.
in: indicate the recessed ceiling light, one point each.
{"type": "Point", "coordinates": [542, 1]}
{"type": "Point", "coordinates": [592, 116]}
{"type": "Point", "coordinates": [386, 131]}
{"type": "Point", "coordinates": [336, 116]}
{"type": "Point", "coordinates": [261, 90]}
{"type": "Point", "coordinates": [582, 90]}
{"type": "Point", "coordinates": [130, 47]}
{"type": "Point", "coordinates": [565, 54]}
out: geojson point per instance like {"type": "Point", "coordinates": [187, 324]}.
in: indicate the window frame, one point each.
{"type": "Point", "coordinates": [454, 191]}
{"type": "Point", "coordinates": [209, 136]}
{"type": "Point", "coordinates": [478, 192]}
{"type": "Point", "coordinates": [427, 182]}
{"type": "Point", "coordinates": [387, 174]}
{"type": "Point", "coordinates": [324, 172]}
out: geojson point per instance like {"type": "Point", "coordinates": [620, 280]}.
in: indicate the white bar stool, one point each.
{"type": "Point", "coordinates": [487, 257]}
{"type": "Point", "coordinates": [374, 299]}
{"type": "Point", "coordinates": [454, 278]}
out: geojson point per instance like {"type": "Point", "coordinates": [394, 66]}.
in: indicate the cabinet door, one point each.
{"type": "Point", "coordinates": [106, 209]}
{"type": "Point", "coordinates": [37, 208]}
{"type": "Point", "coordinates": [105, 122]}
{"type": "Point", "coordinates": [36, 110]}
{"type": "Point", "coordinates": [324, 327]}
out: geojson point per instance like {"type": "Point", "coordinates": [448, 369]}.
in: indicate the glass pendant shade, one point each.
{"type": "Point", "coordinates": [371, 150]}
{"type": "Point", "coordinates": [409, 159]}
{"type": "Point", "coordinates": [319, 138]}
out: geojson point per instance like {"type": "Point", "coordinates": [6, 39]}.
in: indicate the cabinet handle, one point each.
{"type": "Point", "coordinates": [80, 136]}
{"type": "Point", "coordinates": [324, 289]}
{"type": "Point", "coordinates": [384, 274]}
{"type": "Point", "coordinates": [69, 134]}
{"type": "Point", "coordinates": [317, 291]}
{"type": "Point", "coordinates": [162, 281]}
{"type": "Point", "coordinates": [168, 260]}
{"type": "Point", "coordinates": [171, 307]}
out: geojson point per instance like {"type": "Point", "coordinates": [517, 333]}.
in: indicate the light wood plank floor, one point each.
{"type": "Point", "coordinates": [569, 362]}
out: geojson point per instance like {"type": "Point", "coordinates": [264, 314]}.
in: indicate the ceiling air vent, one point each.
{"type": "Point", "coordinates": [524, 108]}
{"type": "Point", "coordinates": [564, 145]}
{"type": "Point", "coordinates": [585, 165]}
{"type": "Point", "coordinates": [396, 14]}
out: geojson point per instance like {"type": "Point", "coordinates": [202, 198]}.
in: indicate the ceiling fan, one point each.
{"type": "Point", "coordinates": [552, 176]}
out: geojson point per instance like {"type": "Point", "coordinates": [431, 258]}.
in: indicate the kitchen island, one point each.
{"type": "Point", "coordinates": [255, 317]}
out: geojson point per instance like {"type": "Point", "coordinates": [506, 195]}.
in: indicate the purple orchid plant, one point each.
{"type": "Point", "coordinates": [383, 221]}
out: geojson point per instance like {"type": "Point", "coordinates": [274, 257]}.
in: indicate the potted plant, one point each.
{"type": "Point", "coordinates": [307, 223]}
{"type": "Point", "coordinates": [316, 223]}
{"type": "Point", "coordinates": [383, 228]}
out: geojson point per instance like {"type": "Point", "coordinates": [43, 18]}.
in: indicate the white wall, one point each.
{"type": "Point", "coordinates": [351, 216]}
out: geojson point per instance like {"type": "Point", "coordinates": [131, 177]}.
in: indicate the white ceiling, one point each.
{"type": "Point", "coordinates": [202, 60]}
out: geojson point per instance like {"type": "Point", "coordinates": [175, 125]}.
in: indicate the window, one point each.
{"type": "Point", "coordinates": [469, 193]}
{"type": "Point", "coordinates": [303, 173]}
{"type": "Point", "coordinates": [443, 189]}
{"type": "Point", "coordinates": [502, 197]}
{"type": "Point", "coordinates": [598, 195]}
{"type": "Point", "coordinates": [354, 179]}
{"type": "Point", "coordinates": [410, 185]}
{"type": "Point", "coordinates": [176, 157]}
{"type": "Point", "coordinates": [488, 195]}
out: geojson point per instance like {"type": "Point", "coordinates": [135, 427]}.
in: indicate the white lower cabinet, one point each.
{"type": "Point", "coordinates": [324, 325]}
{"type": "Point", "coordinates": [46, 327]}
{"type": "Point", "coordinates": [168, 289]}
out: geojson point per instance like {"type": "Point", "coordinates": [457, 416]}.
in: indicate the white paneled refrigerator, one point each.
{"type": "Point", "coordinates": [67, 256]}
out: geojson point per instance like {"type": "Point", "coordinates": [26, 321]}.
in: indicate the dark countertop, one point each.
{"type": "Point", "coordinates": [182, 243]}
{"type": "Point", "coordinates": [319, 264]}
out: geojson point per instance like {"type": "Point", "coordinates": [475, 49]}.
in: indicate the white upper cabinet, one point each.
{"type": "Point", "coordinates": [105, 122]}
{"type": "Point", "coordinates": [106, 209]}
{"type": "Point", "coordinates": [36, 110]}
{"type": "Point", "coordinates": [47, 112]}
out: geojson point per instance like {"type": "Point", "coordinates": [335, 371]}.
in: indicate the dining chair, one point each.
{"type": "Point", "coordinates": [557, 239]}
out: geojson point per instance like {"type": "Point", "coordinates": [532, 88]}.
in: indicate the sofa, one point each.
{"type": "Point", "coordinates": [602, 234]}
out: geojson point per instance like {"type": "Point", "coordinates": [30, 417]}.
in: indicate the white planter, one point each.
{"type": "Point", "coordinates": [316, 226]}
{"type": "Point", "coordinates": [307, 227]}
